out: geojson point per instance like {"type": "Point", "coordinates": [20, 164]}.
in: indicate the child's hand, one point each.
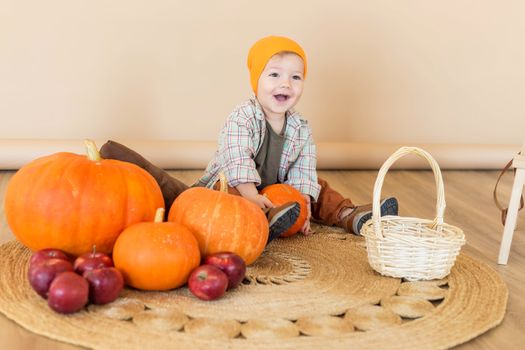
{"type": "Point", "coordinates": [305, 230]}
{"type": "Point", "coordinates": [261, 201]}
{"type": "Point", "coordinates": [249, 191]}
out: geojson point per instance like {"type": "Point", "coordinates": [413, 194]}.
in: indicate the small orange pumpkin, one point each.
{"type": "Point", "coordinates": [222, 222]}
{"type": "Point", "coordinates": [282, 193]}
{"type": "Point", "coordinates": [156, 255]}
{"type": "Point", "coordinates": [73, 202]}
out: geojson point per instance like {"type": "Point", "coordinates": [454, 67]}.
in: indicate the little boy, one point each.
{"type": "Point", "coordinates": [265, 141]}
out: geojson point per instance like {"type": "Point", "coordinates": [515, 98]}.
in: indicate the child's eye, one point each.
{"type": "Point", "coordinates": [274, 75]}
{"type": "Point", "coordinates": [297, 77]}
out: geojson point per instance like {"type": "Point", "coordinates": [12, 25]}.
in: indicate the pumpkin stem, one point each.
{"type": "Point", "coordinates": [92, 151]}
{"type": "Point", "coordinates": [159, 215]}
{"type": "Point", "coordinates": [223, 182]}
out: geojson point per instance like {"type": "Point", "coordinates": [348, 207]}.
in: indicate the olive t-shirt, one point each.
{"type": "Point", "coordinates": [269, 157]}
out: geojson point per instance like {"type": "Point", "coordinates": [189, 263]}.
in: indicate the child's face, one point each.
{"type": "Point", "coordinates": [280, 84]}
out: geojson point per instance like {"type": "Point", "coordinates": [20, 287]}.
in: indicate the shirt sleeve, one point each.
{"type": "Point", "coordinates": [237, 152]}
{"type": "Point", "coordinates": [302, 173]}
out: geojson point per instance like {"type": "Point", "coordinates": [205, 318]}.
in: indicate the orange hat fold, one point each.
{"type": "Point", "coordinates": [261, 52]}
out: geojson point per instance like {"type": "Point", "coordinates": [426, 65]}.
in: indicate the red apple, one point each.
{"type": "Point", "coordinates": [42, 274]}
{"type": "Point", "coordinates": [92, 260]}
{"type": "Point", "coordinates": [229, 263]}
{"type": "Point", "coordinates": [207, 282]}
{"type": "Point", "coordinates": [68, 293]}
{"type": "Point", "coordinates": [45, 254]}
{"type": "Point", "coordinates": [105, 284]}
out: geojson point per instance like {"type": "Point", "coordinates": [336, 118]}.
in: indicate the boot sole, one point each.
{"type": "Point", "coordinates": [282, 222]}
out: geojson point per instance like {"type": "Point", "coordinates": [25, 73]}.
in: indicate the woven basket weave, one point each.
{"type": "Point", "coordinates": [406, 247]}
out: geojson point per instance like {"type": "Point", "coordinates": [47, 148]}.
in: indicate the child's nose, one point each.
{"type": "Point", "coordinates": [285, 83]}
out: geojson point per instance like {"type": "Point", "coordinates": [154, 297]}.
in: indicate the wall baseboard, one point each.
{"type": "Point", "coordinates": [14, 153]}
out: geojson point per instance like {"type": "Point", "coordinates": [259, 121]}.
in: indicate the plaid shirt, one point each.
{"type": "Point", "coordinates": [240, 140]}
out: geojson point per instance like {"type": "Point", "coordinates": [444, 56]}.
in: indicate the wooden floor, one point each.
{"type": "Point", "coordinates": [469, 206]}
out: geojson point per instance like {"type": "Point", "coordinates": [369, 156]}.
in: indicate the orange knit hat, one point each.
{"type": "Point", "coordinates": [261, 52]}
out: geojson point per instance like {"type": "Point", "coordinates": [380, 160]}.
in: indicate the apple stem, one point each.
{"type": "Point", "coordinates": [223, 182]}
{"type": "Point", "coordinates": [159, 215]}
{"type": "Point", "coordinates": [94, 249]}
{"type": "Point", "coordinates": [202, 275]}
{"type": "Point", "coordinates": [92, 151]}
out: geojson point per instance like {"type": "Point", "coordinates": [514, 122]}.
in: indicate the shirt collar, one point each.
{"type": "Point", "coordinates": [259, 113]}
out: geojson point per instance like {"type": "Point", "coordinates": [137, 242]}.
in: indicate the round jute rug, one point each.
{"type": "Point", "coordinates": [303, 292]}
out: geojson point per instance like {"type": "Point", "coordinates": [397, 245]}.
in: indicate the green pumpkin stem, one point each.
{"type": "Point", "coordinates": [92, 151]}
{"type": "Point", "coordinates": [223, 183]}
{"type": "Point", "coordinates": [159, 215]}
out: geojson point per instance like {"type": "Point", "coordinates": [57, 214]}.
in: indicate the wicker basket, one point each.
{"type": "Point", "coordinates": [411, 248]}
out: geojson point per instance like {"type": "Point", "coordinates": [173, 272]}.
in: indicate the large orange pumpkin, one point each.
{"type": "Point", "coordinates": [281, 193]}
{"type": "Point", "coordinates": [156, 255]}
{"type": "Point", "coordinates": [72, 202]}
{"type": "Point", "coordinates": [222, 222]}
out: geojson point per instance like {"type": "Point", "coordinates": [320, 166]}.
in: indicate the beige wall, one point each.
{"type": "Point", "coordinates": [448, 72]}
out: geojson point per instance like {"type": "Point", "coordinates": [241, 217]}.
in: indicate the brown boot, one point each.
{"type": "Point", "coordinates": [281, 218]}
{"type": "Point", "coordinates": [361, 214]}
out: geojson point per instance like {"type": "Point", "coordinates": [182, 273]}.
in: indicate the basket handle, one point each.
{"type": "Point", "coordinates": [440, 205]}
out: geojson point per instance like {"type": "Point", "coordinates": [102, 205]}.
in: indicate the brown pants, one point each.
{"type": "Point", "coordinates": [327, 207]}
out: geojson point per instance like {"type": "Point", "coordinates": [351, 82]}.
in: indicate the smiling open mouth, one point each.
{"type": "Point", "coordinates": [281, 98]}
